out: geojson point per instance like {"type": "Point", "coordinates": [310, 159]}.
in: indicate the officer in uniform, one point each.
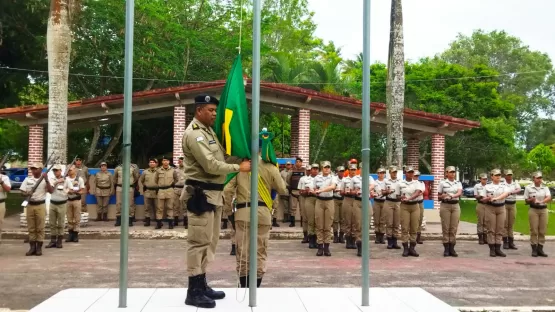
{"type": "Point", "coordinates": [150, 189]}
{"type": "Point", "coordinates": [510, 210]}
{"type": "Point", "coordinates": [481, 209]}
{"type": "Point", "coordinates": [133, 179]}
{"type": "Point", "coordinates": [102, 184]}
{"type": "Point", "coordinates": [310, 205]}
{"type": "Point", "coordinates": [356, 211]}
{"type": "Point", "coordinates": [77, 190]}
{"type": "Point", "coordinates": [347, 207]}
{"type": "Point", "coordinates": [537, 196]}
{"type": "Point", "coordinates": [392, 207]}
{"type": "Point", "coordinates": [494, 195]}
{"type": "Point", "coordinates": [205, 172]}
{"type": "Point", "coordinates": [410, 211]}
{"type": "Point", "coordinates": [241, 185]}
{"type": "Point", "coordinates": [379, 211]}
{"type": "Point", "coordinates": [324, 185]}
{"type": "Point", "coordinates": [178, 205]}
{"type": "Point", "coordinates": [284, 202]}
{"type": "Point", "coordinates": [58, 207]}
{"type": "Point", "coordinates": [5, 187]}
{"type": "Point", "coordinates": [420, 200]}
{"type": "Point", "coordinates": [338, 200]}
{"type": "Point", "coordinates": [449, 192]}
{"type": "Point", "coordinates": [296, 193]}
{"type": "Point", "coordinates": [36, 209]}
{"type": "Point", "coordinates": [229, 198]}
{"type": "Point", "coordinates": [83, 173]}
{"type": "Point", "coordinates": [292, 181]}
{"type": "Point", "coordinates": [165, 178]}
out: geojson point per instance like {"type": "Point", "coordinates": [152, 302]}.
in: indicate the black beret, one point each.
{"type": "Point", "coordinates": [166, 158]}
{"type": "Point", "coordinates": [153, 159]}
{"type": "Point", "coordinates": [206, 99]}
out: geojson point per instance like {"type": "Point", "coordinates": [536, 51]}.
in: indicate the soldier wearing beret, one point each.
{"type": "Point", "coordinates": [150, 189]}
{"type": "Point", "coordinates": [449, 192]}
{"type": "Point", "coordinates": [481, 209]}
{"type": "Point", "coordinates": [206, 170]}
{"type": "Point", "coordinates": [510, 210]}
{"type": "Point", "coordinates": [537, 196]}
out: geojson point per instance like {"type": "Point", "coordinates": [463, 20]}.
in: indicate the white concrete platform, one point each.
{"type": "Point", "coordinates": [237, 300]}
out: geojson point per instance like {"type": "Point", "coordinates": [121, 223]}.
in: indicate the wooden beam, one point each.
{"type": "Point", "coordinates": [31, 116]}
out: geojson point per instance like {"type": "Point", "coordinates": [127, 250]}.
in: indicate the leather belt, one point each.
{"type": "Point", "coordinates": [164, 187]}
{"type": "Point", "coordinates": [130, 185]}
{"type": "Point", "coordinates": [3, 200]}
{"type": "Point", "coordinates": [496, 204]}
{"type": "Point", "coordinates": [451, 202]}
{"type": "Point", "coordinates": [104, 187]}
{"type": "Point", "coordinates": [75, 198]}
{"type": "Point", "coordinates": [56, 202]}
{"type": "Point", "coordinates": [243, 205]}
{"type": "Point", "coordinates": [324, 198]}
{"type": "Point", "coordinates": [393, 200]}
{"type": "Point", "coordinates": [536, 206]}
{"type": "Point", "coordinates": [409, 203]}
{"type": "Point", "coordinates": [179, 186]}
{"type": "Point", "coordinates": [36, 203]}
{"type": "Point", "coordinates": [205, 186]}
{"type": "Point", "coordinates": [338, 197]}
{"type": "Point", "coordinates": [510, 202]}
{"type": "Point", "coordinates": [350, 196]}
{"type": "Point", "coordinates": [379, 200]}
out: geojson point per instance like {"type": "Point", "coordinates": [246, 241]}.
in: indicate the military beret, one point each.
{"type": "Point", "coordinates": [78, 157]}
{"type": "Point", "coordinates": [165, 158]}
{"type": "Point", "coordinates": [153, 159]}
{"type": "Point", "coordinates": [206, 99]}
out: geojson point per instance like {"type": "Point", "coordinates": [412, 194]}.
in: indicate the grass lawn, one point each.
{"type": "Point", "coordinates": [468, 214]}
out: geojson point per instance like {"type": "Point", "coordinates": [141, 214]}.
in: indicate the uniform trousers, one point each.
{"type": "Point", "coordinates": [538, 225]}
{"type": "Point", "coordinates": [150, 206]}
{"type": "Point", "coordinates": [102, 203]}
{"type": "Point", "coordinates": [495, 220]}
{"type": "Point", "coordinates": [347, 211]}
{"type": "Point", "coordinates": [337, 217]}
{"type": "Point", "coordinates": [393, 218]}
{"type": "Point", "coordinates": [74, 215]}
{"type": "Point", "coordinates": [409, 227]}
{"type": "Point", "coordinates": [165, 202]}
{"type": "Point", "coordinates": [293, 205]}
{"type": "Point", "coordinates": [510, 215]}
{"type": "Point", "coordinates": [324, 213]}
{"type": "Point", "coordinates": [450, 215]}
{"type": "Point", "coordinates": [57, 218]}
{"type": "Point", "coordinates": [202, 240]}
{"type": "Point", "coordinates": [36, 218]}
{"type": "Point", "coordinates": [304, 215]}
{"type": "Point", "coordinates": [379, 216]}
{"type": "Point", "coordinates": [179, 207]}
{"type": "Point", "coordinates": [310, 207]}
{"type": "Point", "coordinates": [356, 219]}
{"type": "Point", "coordinates": [132, 206]}
{"type": "Point", "coordinates": [481, 213]}
{"type": "Point", "coordinates": [242, 242]}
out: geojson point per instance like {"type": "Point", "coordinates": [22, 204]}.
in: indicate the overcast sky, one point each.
{"type": "Point", "coordinates": [430, 25]}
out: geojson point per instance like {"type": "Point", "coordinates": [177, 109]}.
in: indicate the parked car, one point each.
{"type": "Point", "coordinates": [468, 192]}
{"type": "Point", "coordinates": [16, 175]}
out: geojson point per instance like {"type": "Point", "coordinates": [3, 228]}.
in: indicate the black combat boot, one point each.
{"type": "Point", "coordinates": [395, 246]}
{"type": "Point", "coordinates": [39, 249]}
{"type": "Point", "coordinates": [52, 242]}
{"type": "Point", "coordinates": [352, 241]}
{"type": "Point", "coordinates": [292, 220]}
{"type": "Point", "coordinates": [359, 249]}
{"type": "Point", "coordinates": [69, 238]}
{"type": "Point", "coordinates": [312, 243]}
{"type": "Point", "coordinates": [170, 224]}
{"type": "Point", "coordinates": [498, 251]}
{"type": "Point", "coordinates": [452, 250]}
{"type": "Point", "coordinates": [118, 221]}
{"type": "Point", "coordinates": [105, 216]}
{"type": "Point", "coordinates": [505, 243]}
{"type": "Point", "coordinates": [224, 224]}
{"type": "Point", "coordinates": [195, 293]}
{"type": "Point", "coordinates": [258, 282]}
{"type": "Point", "coordinates": [285, 218]}
{"type": "Point", "coordinates": [341, 237]}
{"type": "Point", "coordinates": [131, 219]}
{"type": "Point", "coordinates": [389, 242]}
{"type": "Point", "coordinates": [59, 241]}
{"type": "Point", "coordinates": [492, 250]}
{"type": "Point", "coordinates": [185, 222]}
{"type": "Point", "coordinates": [419, 238]}
{"type": "Point", "coordinates": [233, 250]}
{"type": "Point", "coordinates": [327, 252]}
{"type": "Point", "coordinates": [305, 237]}
{"type": "Point", "coordinates": [274, 222]}
{"type": "Point", "coordinates": [382, 236]}
{"type": "Point", "coordinates": [377, 238]}
{"type": "Point", "coordinates": [75, 237]}
{"type": "Point", "coordinates": [158, 224]}
{"type": "Point", "coordinates": [176, 221]}
{"type": "Point", "coordinates": [412, 251]}
{"type": "Point", "coordinates": [534, 251]}
{"type": "Point", "coordinates": [211, 293]}
{"type": "Point", "coordinates": [32, 249]}
{"type": "Point", "coordinates": [446, 250]}
{"type": "Point", "coordinates": [512, 243]}
{"type": "Point", "coordinates": [405, 249]}
{"type": "Point", "coordinates": [98, 217]}
{"type": "Point", "coordinates": [243, 281]}
{"type": "Point", "coordinates": [320, 250]}
{"type": "Point", "coordinates": [147, 221]}
{"type": "Point", "coordinates": [481, 239]}
{"type": "Point", "coordinates": [335, 238]}
{"type": "Point", "coordinates": [540, 251]}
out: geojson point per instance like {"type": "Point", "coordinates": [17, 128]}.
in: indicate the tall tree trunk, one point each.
{"type": "Point", "coordinates": [113, 143]}
{"type": "Point", "coordinates": [58, 46]}
{"type": "Point", "coordinates": [94, 143]}
{"type": "Point", "coordinates": [395, 93]}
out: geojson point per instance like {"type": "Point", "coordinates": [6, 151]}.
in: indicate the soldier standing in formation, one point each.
{"type": "Point", "coordinates": [410, 212]}
{"type": "Point", "coordinates": [83, 172]}
{"type": "Point", "coordinates": [356, 211]}
{"type": "Point", "coordinates": [537, 196]}
{"type": "Point", "coordinates": [392, 208]}
{"type": "Point", "coordinates": [494, 195]}
{"type": "Point", "coordinates": [310, 205]}
{"type": "Point", "coordinates": [420, 200]}
{"type": "Point", "coordinates": [58, 207]}
{"type": "Point", "coordinates": [179, 206]}
{"type": "Point", "coordinates": [165, 178]}
{"type": "Point", "coordinates": [296, 192]}
{"type": "Point", "coordinates": [150, 189]}
{"type": "Point", "coordinates": [338, 201]}
{"type": "Point", "coordinates": [205, 172]}
{"type": "Point", "coordinates": [76, 191]}
{"type": "Point", "coordinates": [481, 209]}
{"type": "Point", "coordinates": [36, 209]}
{"type": "Point", "coordinates": [103, 187]}
{"type": "Point", "coordinates": [323, 212]}
{"type": "Point", "coordinates": [284, 200]}
{"type": "Point", "coordinates": [347, 207]}
{"type": "Point", "coordinates": [510, 210]}
{"type": "Point", "coordinates": [133, 180]}
{"type": "Point", "coordinates": [5, 188]}
{"type": "Point", "coordinates": [379, 211]}
{"type": "Point", "coordinates": [449, 192]}
{"type": "Point", "coordinates": [292, 182]}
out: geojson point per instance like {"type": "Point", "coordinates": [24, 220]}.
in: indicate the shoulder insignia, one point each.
{"type": "Point", "coordinates": [200, 138]}
{"type": "Point", "coordinates": [195, 126]}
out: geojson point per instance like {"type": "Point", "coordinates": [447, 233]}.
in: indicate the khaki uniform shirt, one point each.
{"type": "Point", "coordinates": [379, 186]}
{"type": "Point", "coordinates": [118, 176]}
{"type": "Point", "coordinates": [347, 184]}
{"type": "Point", "coordinates": [242, 185]}
{"type": "Point", "coordinates": [75, 184]}
{"type": "Point", "coordinates": [321, 182]}
{"type": "Point", "coordinates": [165, 178]}
{"type": "Point", "coordinates": [83, 173]}
{"type": "Point", "coordinates": [205, 160]}
{"type": "Point", "coordinates": [180, 176]}
{"type": "Point", "coordinates": [408, 189]}
{"type": "Point", "coordinates": [338, 184]}
{"type": "Point", "coordinates": [102, 184]}
{"type": "Point", "coordinates": [540, 193]}
{"type": "Point", "coordinates": [494, 190]}
{"type": "Point", "coordinates": [285, 176]}
{"type": "Point", "coordinates": [478, 189]}
{"type": "Point", "coordinates": [147, 180]}
{"type": "Point", "coordinates": [6, 181]}
{"type": "Point", "coordinates": [449, 187]}
{"type": "Point", "coordinates": [512, 187]}
{"type": "Point", "coordinates": [393, 185]}
{"type": "Point", "coordinates": [60, 189]}
{"type": "Point", "coordinates": [28, 184]}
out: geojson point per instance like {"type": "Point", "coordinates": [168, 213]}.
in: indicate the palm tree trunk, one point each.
{"type": "Point", "coordinates": [395, 93]}
{"type": "Point", "coordinates": [58, 46]}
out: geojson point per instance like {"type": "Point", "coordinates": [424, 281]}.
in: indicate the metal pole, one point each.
{"type": "Point", "coordinates": [366, 156]}
{"type": "Point", "coordinates": [127, 103]}
{"type": "Point", "coordinates": [254, 152]}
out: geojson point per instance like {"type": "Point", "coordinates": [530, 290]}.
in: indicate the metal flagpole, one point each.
{"type": "Point", "coordinates": [254, 152]}
{"type": "Point", "coordinates": [366, 156]}
{"type": "Point", "coordinates": [126, 163]}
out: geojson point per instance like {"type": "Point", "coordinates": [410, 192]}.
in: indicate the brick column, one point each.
{"type": "Point", "coordinates": [300, 135]}
{"type": "Point", "coordinates": [35, 148]}
{"type": "Point", "coordinates": [413, 153]}
{"type": "Point", "coordinates": [438, 163]}
{"type": "Point", "coordinates": [179, 125]}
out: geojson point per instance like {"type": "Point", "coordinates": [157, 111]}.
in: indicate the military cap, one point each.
{"type": "Point", "coordinates": [353, 166]}
{"type": "Point", "coordinates": [206, 99]}
{"type": "Point", "coordinates": [340, 168]}
{"type": "Point", "coordinates": [315, 166]}
{"type": "Point", "coordinates": [416, 173]}
{"type": "Point", "coordinates": [166, 158]}
{"type": "Point", "coordinates": [153, 159]}
{"type": "Point", "coordinates": [78, 157]}
{"type": "Point", "coordinates": [495, 171]}
{"type": "Point", "coordinates": [37, 165]}
{"type": "Point", "coordinates": [381, 170]}
{"type": "Point", "coordinates": [537, 174]}
{"type": "Point", "coordinates": [181, 158]}
{"type": "Point", "coordinates": [483, 175]}
{"type": "Point", "coordinates": [288, 163]}
{"type": "Point", "coordinates": [103, 164]}
{"type": "Point", "coordinates": [450, 169]}
{"type": "Point", "coordinates": [392, 168]}
{"type": "Point", "coordinates": [508, 172]}
{"type": "Point", "coordinates": [409, 168]}
{"type": "Point", "coordinates": [326, 163]}
{"type": "Point", "coordinates": [57, 167]}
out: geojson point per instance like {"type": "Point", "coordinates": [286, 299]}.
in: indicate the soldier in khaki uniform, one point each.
{"type": "Point", "coordinates": [292, 181]}
{"type": "Point", "coordinates": [165, 178]}
{"type": "Point", "coordinates": [133, 179]}
{"type": "Point", "coordinates": [102, 186]}
{"type": "Point", "coordinates": [77, 189]}
{"type": "Point", "coordinates": [229, 198]}
{"type": "Point", "coordinates": [324, 185]}
{"type": "Point", "coordinates": [284, 201]}
{"type": "Point", "coordinates": [356, 211]}
{"type": "Point", "coordinates": [510, 210]}
{"type": "Point", "coordinates": [494, 195]}
{"type": "Point", "coordinates": [481, 209]}
{"type": "Point", "coordinates": [420, 200]}
{"type": "Point", "coordinates": [150, 189]}
{"type": "Point", "coordinates": [205, 172]}
{"type": "Point", "coordinates": [5, 187]}
{"type": "Point", "coordinates": [379, 211]}
{"type": "Point", "coordinates": [449, 192]}
{"type": "Point", "coordinates": [310, 205]}
{"type": "Point", "coordinates": [347, 207]}
{"type": "Point", "coordinates": [36, 209]}
{"type": "Point", "coordinates": [58, 207]}
{"type": "Point", "coordinates": [298, 191]}
{"type": "Point", "coordinates": [392, 207]}
{"type": "Point", "coordinates": [83, 172]}
{"type": "Point", "coordinates": [179, 206]}
{"type": "Point", "coordinates": [410, 211]}
{"type": "Point", "coordinates": [338, 201]}
{"type": "Point", "coordinates": [537, 196]}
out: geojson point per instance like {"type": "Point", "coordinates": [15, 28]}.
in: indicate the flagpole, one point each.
{"type": "Point", "coordinates": [366, 155]}
{"type": "Point", "coordinates": [127, 115]}
{"type": "Point", "coordinates": [254, 152]}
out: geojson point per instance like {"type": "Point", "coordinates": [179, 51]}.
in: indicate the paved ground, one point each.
{"type": "Point", "coordinates": [473, 279]}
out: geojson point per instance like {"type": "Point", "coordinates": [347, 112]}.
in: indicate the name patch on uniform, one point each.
{"type": "Point", "coordinates": [212, 142]}
{"type": "Point", "coordinates": [200, 139]}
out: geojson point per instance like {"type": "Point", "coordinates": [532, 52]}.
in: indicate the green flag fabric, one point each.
{"type": "Point", "coordinates": [268, 153]}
